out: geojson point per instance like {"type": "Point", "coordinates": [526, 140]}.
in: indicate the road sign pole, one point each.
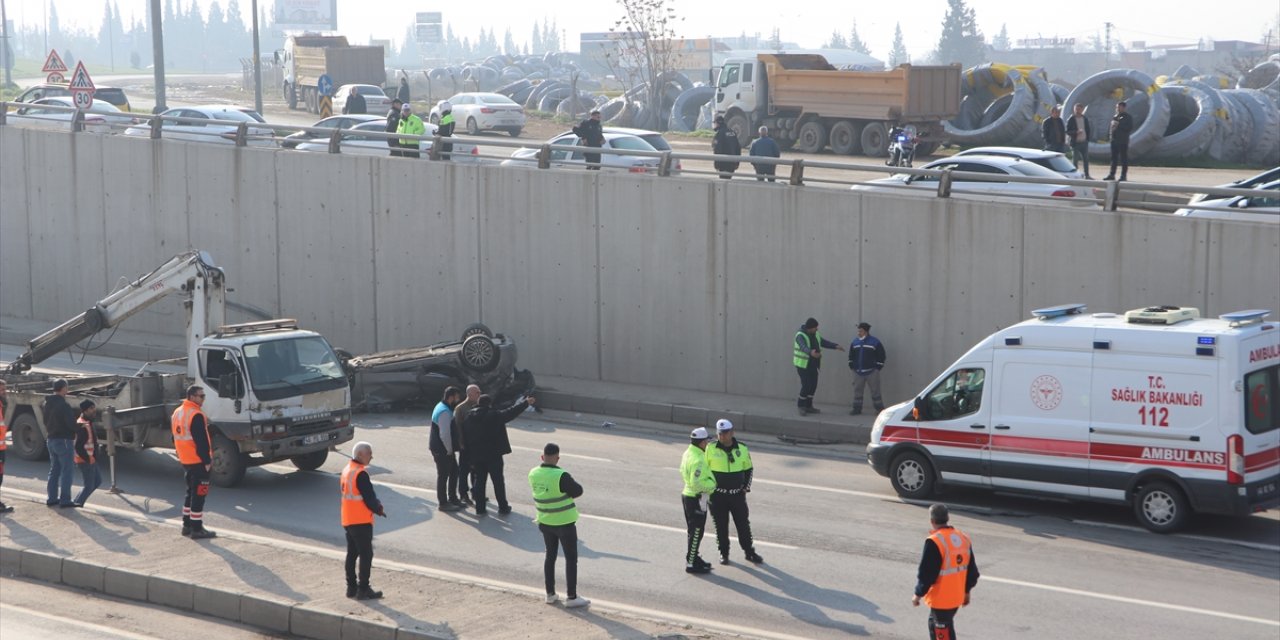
{"type": "Point", "coordinates": [257, 63]}
{"type": "Point", "coordinates": [157, 52]}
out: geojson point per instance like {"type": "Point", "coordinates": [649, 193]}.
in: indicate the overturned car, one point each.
{"type": "Point", "coordinates": [418, 376]}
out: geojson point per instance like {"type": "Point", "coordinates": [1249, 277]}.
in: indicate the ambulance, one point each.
{"type": "Point", "coordinates": [1157, 408]}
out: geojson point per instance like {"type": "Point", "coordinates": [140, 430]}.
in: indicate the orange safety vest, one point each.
{"type": "Point", "coordinates": [181, 424]}
{"type": "Point", "coordinates": [948, 591]}
{"type": "Point", "coordinates": [354, 510]}
{"type": "Point", "coordinates": [90, 445]}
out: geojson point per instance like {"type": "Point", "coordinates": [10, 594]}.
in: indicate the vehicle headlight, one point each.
{"type": "Point", "coordinates": [877, 428]}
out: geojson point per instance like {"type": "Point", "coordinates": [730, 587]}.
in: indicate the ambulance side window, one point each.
{"type": "Point", "coordinates": [960, 394]}
{"type": "Point", "coordinates": [1262, 400]}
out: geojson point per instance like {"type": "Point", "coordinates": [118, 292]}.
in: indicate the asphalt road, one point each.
{"type": "Point", "coordinates": [840, 549]}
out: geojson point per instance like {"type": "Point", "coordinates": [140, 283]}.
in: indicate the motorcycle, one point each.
{"type": "Point", "coordinates": [902, 146]}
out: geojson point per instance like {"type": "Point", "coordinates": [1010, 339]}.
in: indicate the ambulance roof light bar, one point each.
{"type": "Point", "coordinates": [1248, 316]}
{"type": "Point", "coordinates": [1049, 313]}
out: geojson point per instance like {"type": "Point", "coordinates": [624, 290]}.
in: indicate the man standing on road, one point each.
{"type": "Point", "coordinates": [554, 492]}
{"type": "Point", "coordinates": [410, 124]}
{"type": "Point", "coordinates": [355, 103]}
{"type": "Point", "coordinates": [359, 505]}
{"type": "Point", "coordinates": [60, 425]}
{"type": "Point", "coordinates": [866, 359]}
{"type": "Point", "coordinates": [443, 446]}
{"type": "Point", "coordinates": [192, 441]}
{"type": "Point", "coordinates": [4, 443]}
{"type": "Point", "coordinates": [807, 357]}
{"type": "Point", "coordinates": [730, 463]}
{"type": "Point", "coordinates": [393, 125]}
{"type": "Point", "coordinates": [445, 129]}
{"type": "Point", "coordinates": [460, 415]}
{"type": "Point", "coordinates": [1079, 133]}
{"type": "Point", "coordinates": [1121, 129]}
{"type": "Point", "coordinates": [487, 437]}
{"type": "Point", "coordinates": [592, 135]}
{"type": "Point", "coordinates": [1054, 131]}
{"type": "Point", "coordinates": [948, 572]}
{"type": "Point", "coordinates": [765, 147]}
{"type": "Point", "coordinates": [86, 449]}
{"type": "Point", "coordinates": [725, 143]}
{"type": "Point", "coordinates": [699, 483]}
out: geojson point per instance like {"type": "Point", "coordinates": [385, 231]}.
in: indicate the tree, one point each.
{"type": "Point", "coordinates": [961, 39]}
{"type": "Point", "coordinates": [837, 41]}
{"type": "Point", "coordinates": [856, 42]}
{"type": "Point", "coordinates": [509, 44]}
{"type": "Point", "coordinates": [644, 48]}
{"type": "Point", "coordinates": [54, 28]}
{"type": "Point", "coordinates": [1001, 41]}
{"type": "Point", "coordinates": [538, 46]}
{"type": "Point", "coordinates": [898, 54]}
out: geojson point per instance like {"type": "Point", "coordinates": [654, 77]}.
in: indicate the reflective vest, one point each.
{"type": "Point", "coordinates": [90, 443]}
{"type": "Point", "coordinates": [446, 119]}
{"type": "Point", "coordinates": [948, 590]}
{"type": "Point", "coordinates": [555, 507]}
{"type": "Point", "coordinates": [800, 356]}
{"type": "Point", "coordinates": [412, 126]}
{"type": "Point", "coordinates": [696, 473]}
{"type": "Point", "coordinates": [4, 429]}
{"type": "Point", "coordinates": [354, 510]}
{"type": "Point", "coordinates": [181, 425]}
{"type": "Point", "coordinates": [735, 460]}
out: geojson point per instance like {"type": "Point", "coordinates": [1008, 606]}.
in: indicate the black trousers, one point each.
{"type": "Point", "coordinates": [359, 547]}
{"type": "Point", "coordinates": [695, 519]}
{"type": "Point", "coordinates": [484, 471]}
{"type": "Point", "coordinates": [722, 506]}
{"type": "Point", "coordinates": [593, 161]}
{"type": "Point", "coordinates": [1080, 153]}
{"type": "Point", "coordinates": [446, 479]}
{"type": "Point", "coordinates": [942, 624]}
{"type": "Point", "coordinates": [1120, 155]}
{"type": "Point", "coordinates": [2, 452]}
{"type": "Point", "coordinates": [554, 537]}
{"type": "Point", "coordinates": [464, 474]}
{"type": "Point", "coordinates": [197, 491]}
{"type": "Point", "coordinates": [808, 386]}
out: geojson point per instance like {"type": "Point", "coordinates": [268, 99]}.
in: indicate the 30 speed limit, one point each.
{"type": "Point", "coordinates": [83, 99]}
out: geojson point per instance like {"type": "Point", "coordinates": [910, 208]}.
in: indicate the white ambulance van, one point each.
{"type": "Point", "coordinates": [1157, 408]}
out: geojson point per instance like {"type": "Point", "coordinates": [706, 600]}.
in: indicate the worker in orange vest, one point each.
{"type": "Point", "coordinates": [359, 505]}
{"type": "Point", "coordinates": [948, 571]}
{"type": "Point", "coordinates": [86, 451]}
{"type": "Point", "coordinates": [4, 434]}
{"type": "Point", "coordinates": [191, 440]}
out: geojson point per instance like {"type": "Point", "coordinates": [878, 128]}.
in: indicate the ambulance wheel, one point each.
{"type": "Point", "coordinates": [912, 476]}
{"type": "Point", "coordinates": [1161, 507]}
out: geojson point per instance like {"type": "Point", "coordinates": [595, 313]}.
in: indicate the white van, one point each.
{"type": "Point", "coordinates": [1157, 408]}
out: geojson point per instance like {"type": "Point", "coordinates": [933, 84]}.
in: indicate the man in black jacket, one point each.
{"type": "Point", "coordinates": [944, 592]}
{"type": "Point", "coordinates": [592, 134]}
{"type": "Point", "coordinates": [60, 431]}
{"type": "Point", "coordinates": [487, 442]}
{"type": "Point", "coordinates": [725, 143]}
{"type": "Point", "coordinates": [355, 103]}
{"type": "Point", "coordinates": [1121, 129]}
{"type": "Point", "coordinates": [1054, 131]}
{"type": "Point", "coordinates": [393, 125]}
{"type": "Point", "coordinates": [1079, 133]}
{"type": "Point", "coordinates": [443, 443]}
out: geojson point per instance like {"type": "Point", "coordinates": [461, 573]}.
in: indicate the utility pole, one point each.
{"type": "Point", "coordinates": [5, 51]}
{"type": "Point", "coordinates": [157, 52]}
{"type": "Point", "coordinates": [1106, 51]}
{"type": "Point", "coordinates": [257, 64]}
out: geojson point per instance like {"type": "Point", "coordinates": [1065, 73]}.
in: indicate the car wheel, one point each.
{"type": "Point", "coordinates": [477, 328]}
{"type": "Point", "coordinates": [479, 354]}
{"type": "Point", "coordinates": [310, 461]}
{"type": "Point", "coordinates": [229, 464]}
{"type": "Point", "coordinates": [514, 131]}
{"type": "Point", "coordinates": [28, 440]}
{"type": "Point", "coordinates": [472, 127]}
{"type": "Point", "coordinates": [911, 476]}
{"type": "Point", "coordinates": [1161, 507]}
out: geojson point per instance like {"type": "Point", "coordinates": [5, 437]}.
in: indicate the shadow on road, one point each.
{"type": "Point", "coordinates": [806, 610]}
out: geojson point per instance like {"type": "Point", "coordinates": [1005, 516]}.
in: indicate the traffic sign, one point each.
{"type": "Point", "coordinates": [326, 106]}
{"type": "Point", "coordinates": [80, 79]}
{"type": "Point", "coordinates": [325, 85]}
{"type": "Point", "coordinates": [55, 78]}
{"type": "Point", "coordinates": [83, 99]}
{"type": "Point", "coordinates": [53, 63]}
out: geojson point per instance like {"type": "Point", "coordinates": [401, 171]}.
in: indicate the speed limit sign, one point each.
{"type": "Point", "coordinates": [83, 99]}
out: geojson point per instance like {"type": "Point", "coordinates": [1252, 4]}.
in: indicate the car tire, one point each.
{"type": "Point", "coordinates": [515, 131]}
{"type": "Point", "coordinates": [472, 128]}
{"type": "Point", "coordinates": [310, 461]}
{"type": "Point", "coordinates": [479, 354]}
{"type": "Point", "coordinates": [1161, 507]}
{"type": "Point", "coordinates": [912, 476]}
{"type": "Point", "coordinates": [28, 440]}
{"type": "Point", "coordinates": [477, 328]}
{"type": "Point", "coordinates": [229, 464]}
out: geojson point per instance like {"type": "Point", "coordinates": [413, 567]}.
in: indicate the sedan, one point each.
{"type": "Point", "coordinates": [476, 112]}
{"type": "Point", "coordinates": [1264, 207]}
{"type": "Point", "coordinates": [100, 117]}
{"type": "Point", "coordinates": [197, 124]}
{"type": "Point", "coordinates": [328, 124]}
{"type": "Point", "coordinates": [999, 167]}
{"type": "Point", "coordinates": [367, 139]}
{"type": "Point", "coordinates": [1051, 160]}
{"type": "Point", "coordinates": [1252, 182]}
{"type": "Point", "coordinates": [375, 99]}
{"type": "Point", "coordinates": [528, 156]}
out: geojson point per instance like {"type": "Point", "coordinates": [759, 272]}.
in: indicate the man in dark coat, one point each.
{"type": "Point", "coordinates": [355, 103]}
{"type": "Point", "coordinates": [765, 147]}
{"type": "Point", "coordinates": [60, 425]}
{"type": "Point", "coordinates": [393, 125]}
{"type": "Point", "coordinates": [725, 144]}
{"type": "Point", "coordinates": [1121, 129]}
{"type": "Point", "coordinates": [1079, 133]}
{"type": "Point", "coordinates": [591, 133]}
{"type": "Point", "coordinates": [487, 442]}
{"type": "Point", "coordinates": [1054, 131]}
{"type": "Point", "coordinates": [403, 92]}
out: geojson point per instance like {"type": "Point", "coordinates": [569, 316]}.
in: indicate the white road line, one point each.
{"type": "Point", "coordinates": [1261, 546]}
{"type": "Point", "coordinates": [564, 455]}
{"type": "Point", "coordinates": [1145, 603]}
{"type": "Point", "coordinates": [109, 632]}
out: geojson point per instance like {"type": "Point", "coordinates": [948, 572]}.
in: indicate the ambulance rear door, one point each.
{"type": "Point", "coordinates": [1259, 402]}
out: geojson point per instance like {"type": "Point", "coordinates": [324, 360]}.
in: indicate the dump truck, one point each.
{"type": "Point", "coordinates": [807, 103]}
{"type": "Point", "coordinates": [273, 391]}
{"type": "Point", "coordinates": [307, 57]}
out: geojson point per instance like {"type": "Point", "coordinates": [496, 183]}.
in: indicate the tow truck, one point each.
{"type": "Point", "coordinates": [274, 391]}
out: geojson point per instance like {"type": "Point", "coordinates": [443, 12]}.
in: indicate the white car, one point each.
{"type": "Point", "coordinates": [528, 156]}
{"type": "Point", "coordinates": [1264, 207]}
{"type": "Point", "coordinates": [100, 117]}
{"type": "Point", "coordinates": [357, 141]}
{"type": "Point", "coordinates": [1051, 160]}
{"type": "Point", "coordinates": [195, 124]}
{"type": "Point", "coordinates": [998, 167]}
{"type": "Point", "coordinates": [332, 122]}
{"type": "Point", "coordinates": [376, 101]}
{"type": "Point", "coordinates": [1268, 176]}
{"type": "Point", "coordinates": [476, 112]}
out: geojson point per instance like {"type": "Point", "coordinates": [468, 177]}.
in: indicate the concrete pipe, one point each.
{"type": "Point", "coordinates": [511, 88]}
{"type": "Point", "coordinates": [611, 109]}
{"type": "Point", "coordinates": [685, 110]}
{"type": "Point", "coordinates": [1043, 102]}
{"type": "Point", "coordinates": [1193, 123]}
{"type": "Point", "coordinates": [1232, 142]}
{"type": "Point", "coordinates": [1264, 76]}
{"type": "Point", "coordinates": [1263, 147]}
{"type": "Point", "coordinates": [1100, 93]}
{"type": "Point", "coordinates": [536, 96]}
{"type": "Point", "coordinates": [522, 95]}
{"type": "Point", "coordinates": [1003, 121]}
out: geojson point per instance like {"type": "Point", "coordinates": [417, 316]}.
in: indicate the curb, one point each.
{"type": "Point", "coordinates": [268, 614]}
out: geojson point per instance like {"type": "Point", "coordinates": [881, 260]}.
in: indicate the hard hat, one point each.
{"type": "Point", "coordinates": [445, 106]}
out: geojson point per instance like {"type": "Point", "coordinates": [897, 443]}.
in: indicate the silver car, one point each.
{"type": "Point", "coordinates": [1051, 160]}
{"type": "Point", "coordinates": [100, 117]}
{"type": "Point", "coordinates": [476, 112]}
{"type": "Point", "coordinates": [1264, 207]}
{"type": "Point", "coordinates": [215, 124]}
{"type": "Point", "coordinates": [528, 156]}
{"type": "Point", "coordinates": [357, 141]}
{"type": "Point", "coordinates": [1000, 168]}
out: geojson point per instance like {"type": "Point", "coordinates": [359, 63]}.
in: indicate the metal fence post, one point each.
{"type": "Point", "coordinates": [944, 184]}
{"type": "Point", "coordinates": [335, 141]}
{"type": "Point", "coordinates": [797, 173]}
{"type": "Point", "coordinates": [242, 134]}
{"type": "Point", "coordinates": [156, 122]}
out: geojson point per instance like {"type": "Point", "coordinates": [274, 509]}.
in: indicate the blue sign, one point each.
{"type": "Point", "coordinates": [325, 85]}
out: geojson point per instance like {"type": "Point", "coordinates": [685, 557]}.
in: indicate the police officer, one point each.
{"type": "Point", "coordinates": [807, 357]}
{"type": "Point", "coordinates": [730, 462]}
{"type": "Point", "coordinates": [554, 491]}
{"type": "Point", "coordinates": [948, 572]}
{"type": "Point", "coordinates": [445, 130]}
{"type": "Point", "coordinates": [698, 485]}
{"type": "Point", "coordinates": [192, 442]}
{"type": "Point", "coordinates": [359, 505]}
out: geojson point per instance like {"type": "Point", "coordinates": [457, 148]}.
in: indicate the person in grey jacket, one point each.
{"type": "Point", "coordinates": [765, 147]}
{"type": "Point", "coordinates": [60, 432]}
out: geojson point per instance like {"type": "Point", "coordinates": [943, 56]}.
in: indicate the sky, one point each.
{"type": "Point", "coordinates": [808, 23]}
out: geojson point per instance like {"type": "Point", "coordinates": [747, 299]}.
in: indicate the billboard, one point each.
{"type": "Point", "coordinates": [314, 15]}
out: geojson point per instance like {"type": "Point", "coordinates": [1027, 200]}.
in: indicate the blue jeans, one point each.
{"type": "Point", "coordinates": [92, 480]}
{"type": "Point", "coordinates": [61, 468]}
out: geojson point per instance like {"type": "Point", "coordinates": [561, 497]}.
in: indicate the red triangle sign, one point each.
{"type": "Point", "coordinates": [80, 79]}
{"type": "Point", "coordinates": [54, 63]}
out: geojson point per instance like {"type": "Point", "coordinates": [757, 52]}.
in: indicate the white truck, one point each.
{"type": "Point", "coordinates": [273, 391]}
{"type": "Point", "coordinates": [305, 58]}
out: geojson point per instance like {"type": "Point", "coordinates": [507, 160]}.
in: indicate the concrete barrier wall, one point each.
{"type": "Point", "coordinates": [686, 283]}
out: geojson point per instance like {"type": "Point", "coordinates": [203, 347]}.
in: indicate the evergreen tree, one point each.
{"type": "Point", "coordinates": [961, 39]}
{"type": "Point", "coordinates": [1001, 41]}
{"type": "Point", "coordinates": [898, 54]}
{"type": "Point", "coordinates": [538, 46]}
{"type": "Point", "coordinates": [837, 41]}
{"type": "Point", "coordinates": [55, 31]}
{"type": "Point", "coordinates": [856, 42]}
{"type": "Point", "coordinates": [555, 43]}
{"type": "Point", "coordinates": [509, 44]}
{"type": "Point", "coordinates": [104, 32]}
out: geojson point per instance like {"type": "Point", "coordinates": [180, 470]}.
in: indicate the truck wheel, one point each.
{"type": "Point", "coordinates": [741, 127]}
{"type": "Point", "coordinates": [911, 476]}
{"type": "Point", "coordinates": [925, 149]}
{"type": "Point", "coordinates": [229, 464]}
{"type": "Point", "coordinates": [479, 353]}
{"type": "Point", "coordinates": [28, 440]}
{"type": "Point", "coordinates": [291, 96]}
{"type": "Point", "coordinates": [310, 461]}
{"type": "Point", "coordinates": [473, 129]}
{"type": "Point", "coordinates": [875, 140]}
{"type": "Point", "coordinates": [845, 138]}
{"type": "Point", "coordinates": [1161, 507]}
{"type": "Point", "coordinates": [812, 138]}
{"type": "Point", "coordinates": [477, 329]}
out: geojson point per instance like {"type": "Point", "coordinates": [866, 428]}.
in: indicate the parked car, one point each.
{"type": "Point", "coordinates": [998, 167]}
{"type": "Point", "coordinates": [332, 122]}
{"type": "Point", "coordinates": [654, 138]}
{"type": "Point", "coordinates": [100, 117]}
{"type": "Point", "coordinates": [527, 156]}
{"type": "Point", "coordinates": [476, 112]}
{"type": "Point", "coordinates": [358, 142]}
{"type": "Point", "coordinates": [1252, 182]}
{"type": "Point", "coordinates": [1051, 160]}
{"type": "Point", "coordinates": [113, 95]}
{"type": "Point", "coordinates": [195, 125]}
{"type": "Point", "coordinates": [375, 99]}
{"type": "Point", "coordinates": [1264, 207]}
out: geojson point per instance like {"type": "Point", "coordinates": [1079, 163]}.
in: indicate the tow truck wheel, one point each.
{"type": "Point", "coordinates": [310, 461]}
{"type": "Point", "coordinates": [479, 354]}
{"type": "Point", "coordinates": [28, 441]}
{"type": "Point", "coordinates": [477, 328]}
{"type": "Point", "coordinates": [1161, 507]}
{"type": "Point", "coordinates": [911, 476]}
{"type": "Point", "coordinates": [229, 464]}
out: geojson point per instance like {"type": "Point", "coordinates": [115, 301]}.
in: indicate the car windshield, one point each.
{"type": "Point", "coordinates": [494, 98]}
{"type": "Point", "coordinates": [370, 90]}
{"type": "Point", "coordinates": [282, 367]}
{"type": "Point", "coordinates": [1034, 170]}
{"type": "Point", "coordinates": [656, 141]}
{"type": "Point", "coordinates": [231, 114]}
{"type": "Point", "coordinates": [630, 143]}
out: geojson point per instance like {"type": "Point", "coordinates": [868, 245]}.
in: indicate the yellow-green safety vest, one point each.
{"type": "Point", "coordinates": [800, 357]}
{"type": "Point", "coordinates": [696, 473]}
{"type": "Point", "coordinates": [555, 507]}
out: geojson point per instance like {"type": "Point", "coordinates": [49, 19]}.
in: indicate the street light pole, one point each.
{"type": "Point", "coordinates": [257, 64]}
{"type": "Point", "coordinates": [157, 53]}
{"type": "Point", "coordinates": [5, 52]}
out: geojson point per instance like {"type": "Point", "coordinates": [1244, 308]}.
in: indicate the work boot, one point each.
{"type": "Point", "coordinates": [4, 508]}
{"type": "Point", "coordinates": [351, 591]}
{"type": "Point", "coordinates": [505, 509]}
{"type": "Point", "coordinates": [856, 411]}
{"type": "Point", "coordinates": [696, 568]}
{"type": "Point", "coordinates": [202, 533]}
{"type": "Point", "coordinates": [367, 593]}
{"type": "Point", "coordinates": [449, 506]}
{"type": "Point", "coordinates": [724, 558]}
{"type": "Point", "coordinates": [812, 409]}
{"type": "Point", "coordinates": [755, 557]}
{"type": "Point", "coordinates": [186, 531]}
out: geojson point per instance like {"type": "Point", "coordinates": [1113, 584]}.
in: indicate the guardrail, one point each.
{"type": "Point", "coordinates": [1109, 195]}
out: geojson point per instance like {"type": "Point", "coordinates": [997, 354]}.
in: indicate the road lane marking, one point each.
{"type": "Point", "coordinates": [1125, 600]}
{"type": "Point", "coordinates": [1274, 548]}
{"type": "Point", "coordinates": [564, 455]}
{"type": "Point", "coordinates": [109, 632]}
